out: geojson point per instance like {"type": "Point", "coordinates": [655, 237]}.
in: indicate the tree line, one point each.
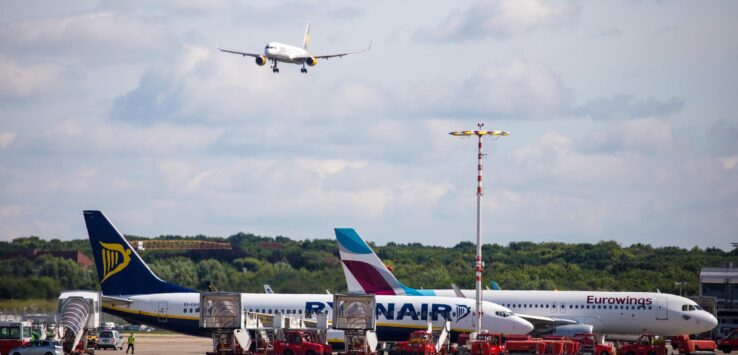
{"type": "Point", "coordinates": [313, 266]}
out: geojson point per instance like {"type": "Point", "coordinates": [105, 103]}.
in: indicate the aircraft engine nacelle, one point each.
{"type": "Point", "coordinates": [261, 60]}
{"type": "Point", "coordinates": [572, 329]}
{"type": "Point", "coordinates": [311, 61]}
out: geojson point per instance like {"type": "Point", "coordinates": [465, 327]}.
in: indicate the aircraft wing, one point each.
{"type": "Point", "coordinates": [329, 56]}
{"type": "Point", "coordinates": [555, 322]}
{"type": "Point", "coordinates": [241, 53]}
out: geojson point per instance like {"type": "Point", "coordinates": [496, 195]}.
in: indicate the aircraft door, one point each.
{"type": "Point", "coordinates": [553, 307]}
{"type": "Point", "coordinates": [662, 308]}
{"type": "Point", "coordinates": [563, 307]}
{"type": "Point", "coordinates": [161, 312]}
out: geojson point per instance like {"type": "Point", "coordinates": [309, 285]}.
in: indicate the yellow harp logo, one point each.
{"type": "Point", "coordinates": [114, 259]}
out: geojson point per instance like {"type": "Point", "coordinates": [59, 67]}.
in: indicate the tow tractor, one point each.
{"type": "Point", "coordinates": [420, 343]}
{"type": "Point", "coordinates": [588, 345]}
{"type": "Point", "coordinates": [684, 345]}
{"type": "Point", "coordinates": [301, 342]}
{"type": "Point", "coordinates": [647, 344]}
{"type": "Point", "coordinates": [13, 334]}
{"type": "Point", "coordinates": [487, 344]}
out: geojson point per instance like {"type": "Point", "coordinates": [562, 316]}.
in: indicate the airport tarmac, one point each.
{"type": "Point", "coordinates": [172, 344]}
{"type": "Point", "coordinates": [165, 344]}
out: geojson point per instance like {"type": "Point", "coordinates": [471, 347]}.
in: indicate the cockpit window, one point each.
{"type": "Point", "coordinates": [690, 307]}
{"type": "Point", "coordinates": [698, 307]}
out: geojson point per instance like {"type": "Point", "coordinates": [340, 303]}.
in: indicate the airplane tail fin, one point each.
{"type": "Point", "coordinates": [363, 269]}
{"type": "Point", "coordinates": [120, 269]}
{"type": "Point", "coordinates": [306, 39]}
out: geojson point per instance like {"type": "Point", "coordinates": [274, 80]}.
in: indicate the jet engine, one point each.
{"type": "Point", "coordinates": [572, 329]}
{"type": "Point", "coordinates": [261, 60]}
{"type": "Point", "coordinates": [311, 61]}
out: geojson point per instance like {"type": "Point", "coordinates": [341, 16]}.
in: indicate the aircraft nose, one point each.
{"type": "Point", "coordinates": [523, 326]}
{"type": "Point", "coordinates": [711, 321]}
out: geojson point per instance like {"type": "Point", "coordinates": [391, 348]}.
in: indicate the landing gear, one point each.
{"type": "Point", "coordinates": [274, 67]}
{"type": "Point", "coordinates": [303, 69]}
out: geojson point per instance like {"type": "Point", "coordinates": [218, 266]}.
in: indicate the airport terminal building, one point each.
{"type": "Point", "coordinates": [719, 289]}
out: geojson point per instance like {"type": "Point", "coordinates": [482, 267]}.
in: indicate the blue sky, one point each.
{"type": "Point", "coordinates": [622, 114]}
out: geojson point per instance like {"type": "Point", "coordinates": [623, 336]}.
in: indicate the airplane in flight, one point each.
{"type": "Point", "coordinates": [130, 290]}
{"type": "Point", "coordinates": [556, 312]}
{"type": "Point", "coordinates": [279, 52]}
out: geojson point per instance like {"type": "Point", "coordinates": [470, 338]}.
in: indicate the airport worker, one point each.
{"type": "Point", "coordinates": [131, 342]}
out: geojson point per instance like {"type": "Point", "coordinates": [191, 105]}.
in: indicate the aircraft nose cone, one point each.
{"type": "Point", "coordinates": [711, 321]}
{"type": "Point", "coordinates": [522, 326]}
{"type": "Point", "coordinates": [519, 326]}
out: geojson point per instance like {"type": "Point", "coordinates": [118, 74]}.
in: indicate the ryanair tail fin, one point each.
{"type": "Point", "coordinates": [363, 269]}
{"type": "Point", "coordinates": [306, 39]}
{"type": "Point", "coordinates": [120, 269]}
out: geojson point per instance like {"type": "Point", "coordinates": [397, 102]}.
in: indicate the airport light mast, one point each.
{"type": "Point", "coordinates": [480, 192]}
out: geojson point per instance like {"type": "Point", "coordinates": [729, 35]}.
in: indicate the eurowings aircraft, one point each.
{"type": "Point", "coordinates": [133, 292]}
{"type": "Point", "coordinates": [556, 312]}
{"type": "Point", "coordinates": [279, 52]}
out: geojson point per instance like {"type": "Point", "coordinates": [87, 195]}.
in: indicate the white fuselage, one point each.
{"type": "Point", "coordinates": [608, 312]}
{"type": "Point", "coordinates": [285, 53]}
{"type": "Point", "coordinates": [396, 315]}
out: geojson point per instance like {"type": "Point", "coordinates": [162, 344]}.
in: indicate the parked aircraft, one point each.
{"type": "Point", "coordinates": [279, 52]}
{"type": "Point", "coordinates": [558, 312]}
{"type": "Point", "coordinates": [133, 292]}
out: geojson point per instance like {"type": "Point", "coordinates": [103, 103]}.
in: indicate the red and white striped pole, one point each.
{"type": "Point", "coordinates": [479, 266]}
{"type": "Point", "coordinates": [479, 263]}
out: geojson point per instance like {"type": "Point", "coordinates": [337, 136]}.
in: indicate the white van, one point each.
{"type": "Point", "coordinates": [109, 339]}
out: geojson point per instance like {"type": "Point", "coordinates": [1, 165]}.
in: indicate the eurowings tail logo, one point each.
{"type": "Point", "coordinates": [114, 259]}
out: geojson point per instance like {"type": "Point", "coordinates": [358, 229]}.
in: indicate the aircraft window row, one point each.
{"type": "Point", "coordinates": [191, 310]}
{"type": "Point", "coordinates": [691, 307]}
{"type": "Point", "coordinates": [577, 306]}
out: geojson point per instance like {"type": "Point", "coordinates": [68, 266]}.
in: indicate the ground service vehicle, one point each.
{"type": "Point", "coordinates": [38, 347]}
{"type": "Point", "coordinates": [588, 345]}
{"type": "Point", "coordinates": [729, 343]}
{"type": "Point", "coordinates": [299, 342]}
{"type": "Point", "coordinates": [685, 345]}
{"type": "Point", "coordinates": [13, 335]}
{"type": "Point", "coordinates": [524, 344]}
{"type": "Point", "coordinates": [420, 343]}
{"type": "Point", "coordinates": [109, 339]}
{"type": "Point", "coordinates": [647, 344]}
{"type": "Point", "coordinates": [487, 344]}
{"type": "Point", "coordinates": [92, 341]}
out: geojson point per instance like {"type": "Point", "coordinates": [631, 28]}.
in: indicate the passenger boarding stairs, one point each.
{"type": "Point", "coordinates": [79, 312]}
{"type": "Point", "coordinates": [221, 313]}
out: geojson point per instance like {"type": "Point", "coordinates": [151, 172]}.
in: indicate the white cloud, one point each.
{"type": "Point", "coordinates": [729, 163]}
{"type": "Point", "coordinates": [324, 168]}
{"type": "Point", "coordinates": [88, 37]}
{"type": "Point", "coordinates": [641, 135]}
{"type": "Point", "coordinates": [119, 137]}
{"type": "Point", "coordinates": [24, 80]}
{"type": "Point", "coordinates": [502, 19]}
{"type": "Point", "coordinates": [6, 138]}
{"type": "Point", "coordinates": [515, 88]}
